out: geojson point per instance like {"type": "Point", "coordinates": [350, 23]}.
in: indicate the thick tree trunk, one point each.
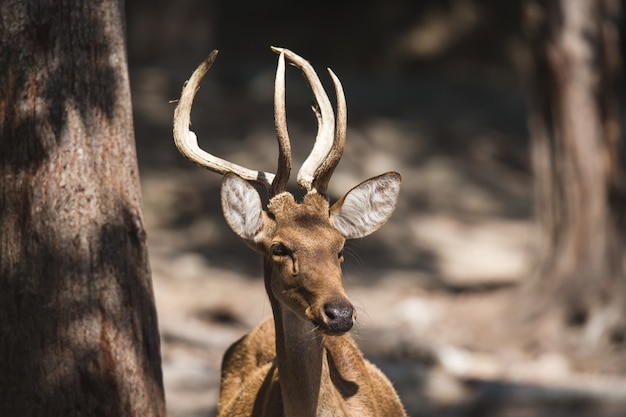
{"type": "Point", "coordinates": [78, 329]}
{"type": "Point", "coordinates": [575, 131]}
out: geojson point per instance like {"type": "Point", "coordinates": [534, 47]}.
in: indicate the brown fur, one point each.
{"type": "Point", "coordinates": [251, 387]}
{"type": "Point", "coordinates": [321, 374]}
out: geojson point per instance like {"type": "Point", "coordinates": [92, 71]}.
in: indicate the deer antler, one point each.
{"type": "Point", "coordinates": [187, 142]}
{"type": "Point", "coordinates": [317, 169]}
{"type": "Point", "coordinates": [280, 124]}
{"type": "Point", "coordinates": [327, 167]}
{"type": "Point", "coordinates": [329, 142]}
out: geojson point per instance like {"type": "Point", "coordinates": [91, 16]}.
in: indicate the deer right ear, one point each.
{"type": "Point", "coordinates": [367, 206]}
{"type": "Point", "coordinates": [242, 207]}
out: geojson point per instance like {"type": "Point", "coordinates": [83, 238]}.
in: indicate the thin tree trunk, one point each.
{"type": "Point", "coordinates": [78, 329]}
{"type": "Point", "coordinates": [575, 151]}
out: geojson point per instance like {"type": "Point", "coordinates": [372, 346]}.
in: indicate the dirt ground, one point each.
{"type": "Point", "coordinates": [431, 286]}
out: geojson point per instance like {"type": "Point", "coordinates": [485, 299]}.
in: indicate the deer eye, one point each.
{"type": "Point", "coordinates": [278, 249]}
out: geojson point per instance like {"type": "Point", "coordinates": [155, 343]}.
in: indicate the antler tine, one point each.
{"type": "Point", "coordinates": [187, 142]}
{"type": "Point", "coordinates": [326, 169]}
{"type": "Point", "coordinates": [325, 120]}
{"type": "Point", "coordinates": [280, 124]}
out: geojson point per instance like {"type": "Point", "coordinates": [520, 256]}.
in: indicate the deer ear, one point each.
{"type": "Point", "coordinates": [367, 206]}
{"type": "Point", "coordinates": [242, 207]}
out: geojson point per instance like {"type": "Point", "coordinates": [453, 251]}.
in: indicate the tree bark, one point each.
{"type": "Point", "coordinates": [78, 327]}
{"type": "Point", "coordinates": [575, 128]}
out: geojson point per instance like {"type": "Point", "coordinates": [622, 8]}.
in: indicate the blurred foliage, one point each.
{"type": "Point", "coordinates": [395, 35]}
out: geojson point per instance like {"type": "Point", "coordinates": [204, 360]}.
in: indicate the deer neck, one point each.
{"type": "Point", "coordinates": [299, 354]}
{"type": "Point", "coordinates": [305, 384]}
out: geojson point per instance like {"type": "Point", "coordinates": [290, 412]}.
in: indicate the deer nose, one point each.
{"type": "Point", "coordinates": [339, 316]}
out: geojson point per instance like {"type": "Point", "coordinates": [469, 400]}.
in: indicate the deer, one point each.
{"type": "Point", "coordinates": [302, 362]}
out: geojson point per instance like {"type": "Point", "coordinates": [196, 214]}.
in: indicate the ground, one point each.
{"type": "Point", "coordinates": [433, 288]}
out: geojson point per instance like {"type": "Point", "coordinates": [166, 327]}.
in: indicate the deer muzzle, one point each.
{"type": "Point", "coordinates": [339, 316]}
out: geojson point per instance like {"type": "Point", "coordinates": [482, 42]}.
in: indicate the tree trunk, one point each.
{"type": "Point", "coordinates": [78, 328]}
{"type": "Point", "coordinates": [575, 130]}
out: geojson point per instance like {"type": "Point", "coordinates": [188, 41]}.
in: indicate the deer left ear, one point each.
{"type": "Point", "coordinates": [366, 207]}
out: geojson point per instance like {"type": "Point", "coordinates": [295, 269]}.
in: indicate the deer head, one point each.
{"type": "Point", "coordinates": [301, 241]}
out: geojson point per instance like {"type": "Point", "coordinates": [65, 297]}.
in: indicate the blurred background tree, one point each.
{"type": "Point", "coordinates": [578, 166]}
